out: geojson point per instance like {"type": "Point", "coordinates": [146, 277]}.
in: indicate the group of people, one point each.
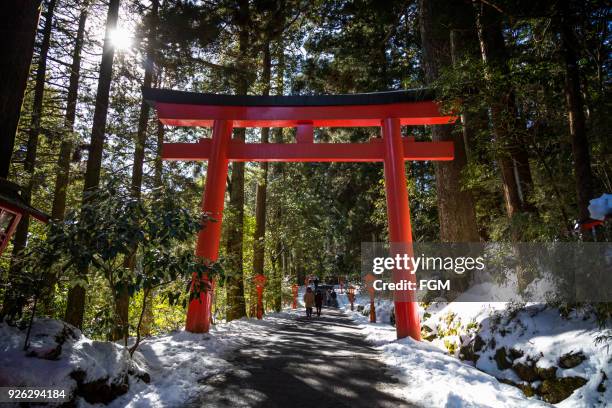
{"type": "Point", "coordinates": [316, 299]}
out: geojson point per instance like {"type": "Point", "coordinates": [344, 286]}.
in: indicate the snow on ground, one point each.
{"type": "Point", "coordinates": [539, 332]}
{"type": "Point", "coordinates": [435, 379]}
{"type": "Point", "coordinates": [174, 362]}
{"type": "Point", "coordinates": [541, 335]}
{"type": "Point", "coordinates": [179, 362]}
{"type": "Point", "coordinates": [54, 365]}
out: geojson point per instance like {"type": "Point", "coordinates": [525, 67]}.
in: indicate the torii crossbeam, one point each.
{"type": "Point", "coordinates": [388, 110]}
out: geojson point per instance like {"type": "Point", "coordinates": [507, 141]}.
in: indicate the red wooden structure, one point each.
{"type": "Point", "coordinates": [12, 208]}
{"type": "Point", "coordinates": [351, 296]}
{"type": "Point", "coordinates": [369, 281]}
{"type": "Point", "coordinates": [260, 282]}
{"type": "Point", "coordinates": [386, 110]}
{"type": "Point", "coordinates": [294, 291]}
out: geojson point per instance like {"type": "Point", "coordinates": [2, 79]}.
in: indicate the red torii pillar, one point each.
{"type": "Point", "coordinates": [400, 227]}
{"type": "Point", "coordinates": [198, 315]}
{"type": "Point", "coordinates": [386, 110]}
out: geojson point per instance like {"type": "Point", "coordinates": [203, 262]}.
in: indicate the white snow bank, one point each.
{"type": "Point", "coordinates": [180, 361]}
{"type": "Point", "coordinates": [177, 363]}
{"type": "Point", "coordinates": [56, 351]}
{"type": "Point", "coordinates": [435, 379]}
{"type": "Point", "coordinates": [438, 380]}
{"type": "Point", "coordinates": [541, 333]}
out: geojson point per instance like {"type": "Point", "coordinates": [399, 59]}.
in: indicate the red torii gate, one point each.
{"type": "Point", "coordinates": [388, 110]}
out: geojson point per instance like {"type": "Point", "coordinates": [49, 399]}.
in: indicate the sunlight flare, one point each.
{"type": "Point", "coordinates": [120, 38]}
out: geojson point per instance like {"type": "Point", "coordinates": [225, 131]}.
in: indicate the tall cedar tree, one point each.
{"type": "Point", "coordinates": [62, 179]}
{"type": "Point", "coordinates": [455, 205]}
{"type": "Point", "coordinates": [277, 171]}
{"type": "Point", "coordinates": [261, 192]}
{"type": "Point", "coordinates": [575, 112]}
{"type": "Point", "coordinates": [123, 297]}
{"type": "Point", "coordinates": [12, 299]}
{"type": "Point", "coordinates": [66, 147]}
{"type": "Point", "coordinates": [235, 284]}
{"type": "Point", "coordinates": [75, 306]}
{"type": "Point", "coordinates": [512, 154]}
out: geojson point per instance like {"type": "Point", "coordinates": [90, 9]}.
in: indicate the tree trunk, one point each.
{"type": "Point", "coordinates": [464, 45]}
{"type": "Point", "coordinates": [277, 170]}
{"type": "Point", "coordinates": [277, 299]}
{"type": "Point", "coordinates": [63, 161]}
{"type": "Point", "coordinates": [158, 164]}
{"type": "Point", "coordinates": [455, 205]}
{"type": "Point", "coordinates": [18, 29]}
{"type": "Point", "coordinates": [143, 120]}
{"type": "Point", "coordinates": [508, 130]}
{"type": "Point", "coordinates": [235, 223]}
{"type": "Point", "coordinates": [512, 152]}
{"type": "Point", "coordinates": [29, 165]}
{"type": "Point", "coordinates": [575, 114]}
{"type": "Point", "coordinates": [75, 306]}
{"type": "Point", "coordinates": [260, 200]}
{"type": "Point", "coordinates": [123, 297]}
{"type": "Point", "coordinates": [149, 317]}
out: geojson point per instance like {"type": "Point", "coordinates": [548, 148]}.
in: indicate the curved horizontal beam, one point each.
{"type": "Point", "coordinates": [412, 107]}
{"type": "Point", "coordinates": [413, 113]}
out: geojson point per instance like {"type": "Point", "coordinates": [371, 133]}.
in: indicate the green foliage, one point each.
{"type": "Point", "coordinates": [112, 227]}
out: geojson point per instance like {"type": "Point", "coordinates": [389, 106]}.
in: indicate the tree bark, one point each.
{"type": "Point", "coordinates": [512, 152]}
{"type": "Point", "coordinates": [19, 25]}
{"type": "Point", "coordinates": [63, 163]}
{"type": "Point", "coordinates": [122, 304]}
{"type": "Point", "coordinates": [508, 130]}
{"type": "Point", "coordinates": [455, 205]}
{"type": "Point", "coordinates": [584, 180]}
{"type": "Point", "coordinates": [149, 317]}
{"type": "Point", "coordinates": [75, 306]}
{"type": "Point", "coordinates": [277, 170]}
{"type": "Point", "coordinates": [235, 223]}
{"type": "Point", "coordinates": [62, 180]}
{"type": "Point", "coordinates": [13, 299]}
{"type": "Point", "coordinates": [260, 199]}
{"type": "Point", "coordinates": [158, 164]}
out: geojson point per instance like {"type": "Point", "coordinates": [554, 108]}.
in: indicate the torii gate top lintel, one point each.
{"type": "Point", "coordinates": [411, 107]}
{"type": "Point", "coordinates": [387, 110]}
{"type": "Point", "coordinates": [304, 112]}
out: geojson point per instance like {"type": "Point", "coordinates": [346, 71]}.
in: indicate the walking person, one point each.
{"type": "Point", "coordinates": [309, 300]}
{"type": "Point", "coordinates": [334, 298]}
{"type": "Point", "coordinates": [318, 302]}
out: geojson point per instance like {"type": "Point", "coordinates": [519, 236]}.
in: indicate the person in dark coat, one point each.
{"type": "Point", "coordinates": [318, 302]}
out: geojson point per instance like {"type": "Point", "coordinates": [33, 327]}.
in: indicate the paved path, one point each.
{"type": "Point", "coordinates": [323, 362]}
